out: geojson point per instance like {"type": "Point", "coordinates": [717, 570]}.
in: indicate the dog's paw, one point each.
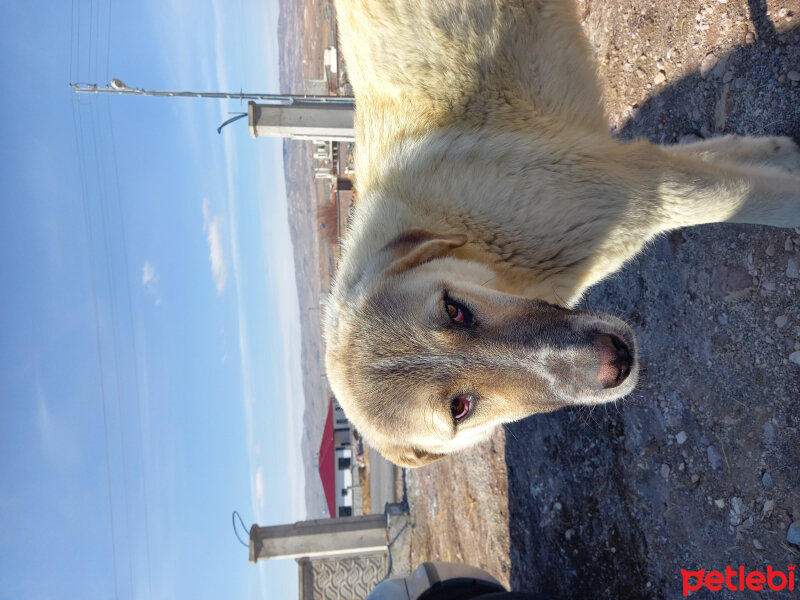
{"type": "Point", "coordinates": [778, 151]}
{"type": "Point", "coordinates": [775, 151]}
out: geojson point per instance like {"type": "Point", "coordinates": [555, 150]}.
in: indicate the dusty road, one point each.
{"type": "Point", "coordinates": [700, 468]}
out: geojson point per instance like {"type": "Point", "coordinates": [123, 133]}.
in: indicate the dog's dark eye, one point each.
{"type": "Point", "coordinates": [458, 313]}
{"type": "Point", "coordinates": [460, 407]}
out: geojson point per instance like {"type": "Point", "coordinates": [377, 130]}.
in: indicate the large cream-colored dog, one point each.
{"type": "Point", "coordinates": [491, 196]}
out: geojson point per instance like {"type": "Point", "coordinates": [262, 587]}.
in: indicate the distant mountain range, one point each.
{"type": "Point", "coordinates": [300, 39]}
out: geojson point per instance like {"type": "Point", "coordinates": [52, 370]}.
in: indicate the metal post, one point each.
{"type": "Point", "coordinates": [118, 87]}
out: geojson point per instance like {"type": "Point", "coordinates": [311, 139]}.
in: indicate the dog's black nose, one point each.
{"type": "Point", "coordinates": [615, 360]}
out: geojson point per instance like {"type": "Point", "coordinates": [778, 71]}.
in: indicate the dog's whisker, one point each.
{"type": "Point", "coordinates": [492, 278]}
{"type": "Point", "coordinates": [563, 303]}
{"type": "Point", "coordinates": [496, 275]}
{"type": "Point", "coordinates": [510, 432]}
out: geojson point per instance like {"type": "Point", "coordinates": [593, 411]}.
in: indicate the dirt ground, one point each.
{"type": "Point", "coordinates": [699, 468]}
{"type": "Point", "coordinates": [459, 509]}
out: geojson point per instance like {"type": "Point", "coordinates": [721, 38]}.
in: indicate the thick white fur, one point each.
{"type": "Point", "coordinates": [483, 118]}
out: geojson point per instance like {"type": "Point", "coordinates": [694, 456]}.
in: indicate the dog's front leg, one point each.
{"type": "Point", "coordinates": [746, 182]}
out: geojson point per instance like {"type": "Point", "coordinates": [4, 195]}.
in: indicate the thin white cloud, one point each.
{"type": "Point", "coordinates": [148, 273]}
{"type": "Point", "coordinates": [58, 440]}
{"type": "Point", "coordinates": [213, 227]}
{"type": "Point", "coordinates": [149, 279]}
{"type": "Point", "coordinates": [192, 63]}
{"type": "Point", "coordinates": [217, 74]}
{"type": "Point", "coordinates": [231, 172]}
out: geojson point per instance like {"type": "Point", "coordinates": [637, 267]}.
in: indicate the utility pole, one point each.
{"type": "Point", "coordinates": [274, 115]}
{"type": "Point", "coordinates": [302, 120]}
{"type": "Point", "coordinates": [321, 537]}
{"type": "Point", "coordinates": [117, 86]}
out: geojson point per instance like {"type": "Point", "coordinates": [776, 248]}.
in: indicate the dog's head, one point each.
{"type": "Point", "coordinates": [425, 359]}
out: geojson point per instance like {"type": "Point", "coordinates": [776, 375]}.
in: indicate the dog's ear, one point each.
{"type": "Point", "coordinates": [417, 246]}
{"type": "Point", "coordinates": [406, 456]}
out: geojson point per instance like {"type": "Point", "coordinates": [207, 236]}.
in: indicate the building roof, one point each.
{"type": "Point", "coordinates": [327, 464]}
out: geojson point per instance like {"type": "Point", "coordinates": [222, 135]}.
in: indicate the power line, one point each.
{"type": "Point", "coordinates": [88, 141]}
{"type": "Point", "coordinates": [78, 125]}
{"type": "Point", "coordinates": [137, 389]}
{"type": "Point", "coordinates": [102, 190]}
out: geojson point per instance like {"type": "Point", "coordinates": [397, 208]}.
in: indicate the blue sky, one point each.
{"type": "Point", "coordinates": [149, 364]}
